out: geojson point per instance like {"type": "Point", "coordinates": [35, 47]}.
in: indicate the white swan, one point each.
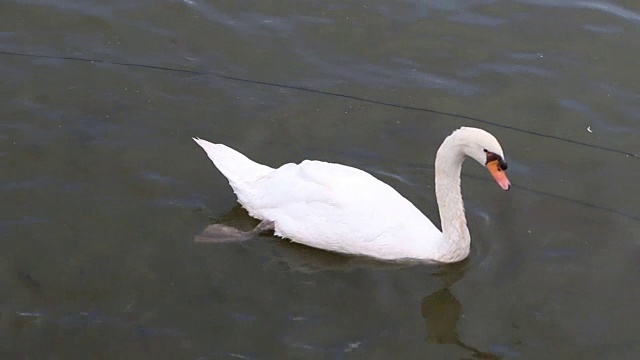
{"type": "Point", "coordinates": [339, 208]}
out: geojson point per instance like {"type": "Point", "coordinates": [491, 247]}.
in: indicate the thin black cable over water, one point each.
{"type": "Point", "coordinates": [322, 92]}
{"type": "Point", "coordinates": [353, 97]}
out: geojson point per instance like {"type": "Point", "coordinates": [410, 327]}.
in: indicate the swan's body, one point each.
{"type": "Point", "coordinates": [344, 209]}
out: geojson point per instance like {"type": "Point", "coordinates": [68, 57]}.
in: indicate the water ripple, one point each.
{"type": "Point", "coordinates": [477, 19]}
{"type": "Point", "coordinates": [380, 75]}
{"type": "Point", "coordinates": [508, 69]}
{"type": "Point", "coordinates": [592, 5]}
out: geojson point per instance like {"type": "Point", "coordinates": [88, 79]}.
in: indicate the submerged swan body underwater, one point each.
{"type": "Point", "coordinates": [343, 209]}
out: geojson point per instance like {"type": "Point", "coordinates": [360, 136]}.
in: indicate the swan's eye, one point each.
{"type": "Point", "coordinates": [495, 157]}
{"type": "Point", "coordinates": [485, 150]}
{"type": "Point", "coordinates": [492, 156]}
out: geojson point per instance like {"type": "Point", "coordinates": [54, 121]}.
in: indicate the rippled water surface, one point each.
{"type": "Point", "coordinates": [103, 190]}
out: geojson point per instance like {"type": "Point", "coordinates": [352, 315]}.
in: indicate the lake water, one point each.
{"type": "Point", "coordinates": [103, 189]}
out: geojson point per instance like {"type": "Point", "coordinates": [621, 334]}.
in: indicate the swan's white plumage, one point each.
{"type": "Point", "coordinates": [334, 207]}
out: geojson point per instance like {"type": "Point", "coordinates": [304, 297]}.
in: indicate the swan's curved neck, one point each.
{"type": "Point", "coordinates": [456, 241]}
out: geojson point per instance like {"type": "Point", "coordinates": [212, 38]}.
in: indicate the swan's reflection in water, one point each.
{"type": "Point", "coordinates": [440, 310]}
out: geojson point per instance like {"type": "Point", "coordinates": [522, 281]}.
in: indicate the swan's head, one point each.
{"type": "Point", "coordinates": [485, 149]}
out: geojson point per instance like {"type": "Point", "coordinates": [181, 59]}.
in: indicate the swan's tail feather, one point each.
{"type": "Point", "coordinates": [237, 168]}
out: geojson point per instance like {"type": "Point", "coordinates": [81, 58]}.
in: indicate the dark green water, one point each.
{"type": "Point", "coordinates": [103, 190]}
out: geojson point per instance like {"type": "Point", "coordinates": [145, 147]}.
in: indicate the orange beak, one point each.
{"type": "Point", "coordinates": [498, 174]}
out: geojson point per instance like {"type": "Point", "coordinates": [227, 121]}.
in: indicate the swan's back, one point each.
{"type": "Point", "coordinates": [339, 208]}
{"type": "Point", "coordinates": [329, 206]}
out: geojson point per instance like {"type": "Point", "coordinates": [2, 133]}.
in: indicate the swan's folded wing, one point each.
{"type": "Point", "coordinates": [338, 208]}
